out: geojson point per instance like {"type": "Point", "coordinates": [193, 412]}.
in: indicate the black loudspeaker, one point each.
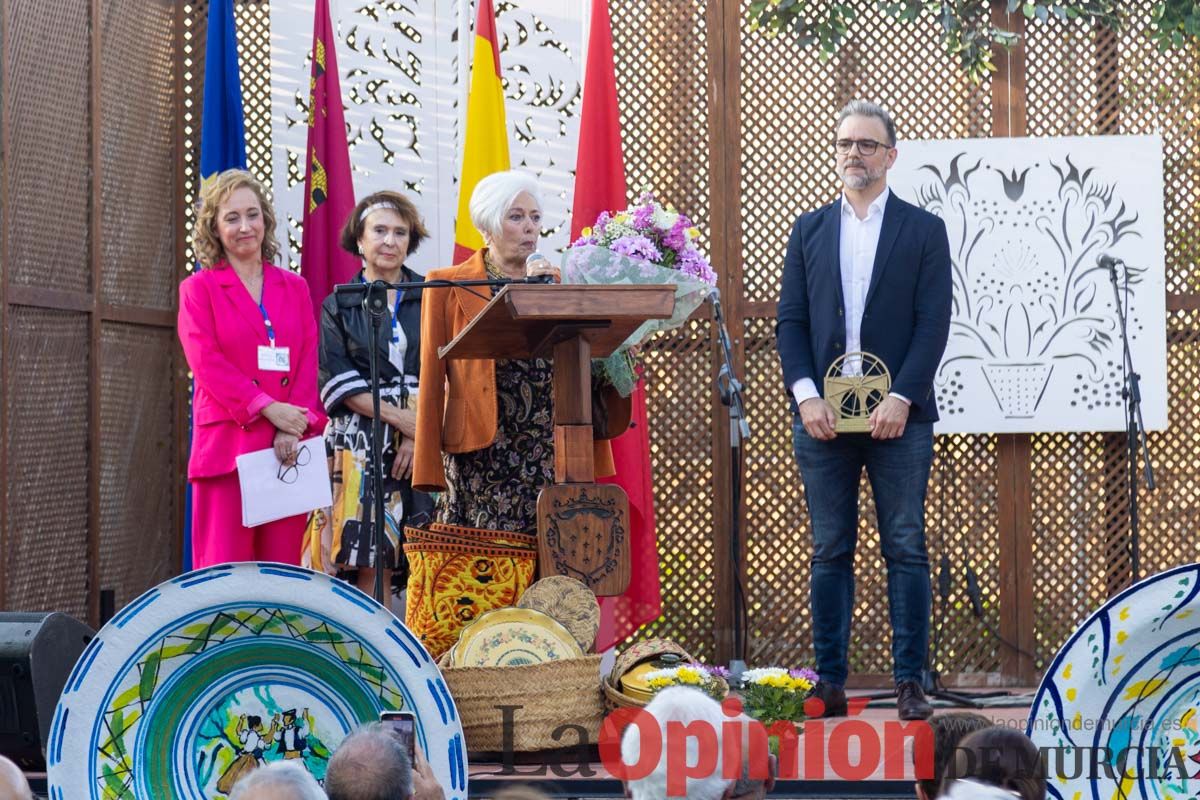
{"type": "Point", "coordinates": [37, 653]}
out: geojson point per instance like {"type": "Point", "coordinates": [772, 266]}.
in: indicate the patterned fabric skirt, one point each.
{"type": "Point", "coordinates": [497, 487]}
{"type": "Point", "coordinates": [347, 529]}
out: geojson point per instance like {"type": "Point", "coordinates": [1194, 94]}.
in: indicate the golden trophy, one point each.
{"type": "Point", "coordinates": [856, 395]}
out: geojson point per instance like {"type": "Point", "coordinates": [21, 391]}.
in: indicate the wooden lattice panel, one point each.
{"type": "Point", "coordinates": [46, 404]}
{"type": "Point", "coordinates": [678, 379]}
{"type": "Point", "coordinates": [138, 460]}
{"type": "Point", "coordinates": [1082, 82]}
{"type": "Point", "coordinates": [790, 101]}
{"type": "Point", "coordinates": [137, 186]}
{"type": "Point", "coordinates": [662, 78]}
{"type": "Point", "coordinates": [661, 83]}
{"type": "Point", "coordinates": [46, 160]}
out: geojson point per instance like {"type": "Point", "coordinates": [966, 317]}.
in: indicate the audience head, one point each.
{"type": "Point", "coordinates": [370, 764]}
{"type": "Point", "coordinates": [282, 780]}
{"type": "Point", "coordinates": [13, 785]}
{"type": "Point", "coordinates": [688, 707]}
{"type": "Point", "coordinates": [948, 730]}
{"type": "Point", "coordinates": [520, 793]}
{"type": "Point", "coordinates": [998, 757]}
{"type": "Point", "coordinates": [234, 191]}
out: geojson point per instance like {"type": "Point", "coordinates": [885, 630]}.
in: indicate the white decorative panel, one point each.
{"type": "Point", "coordinates": [403, 72]}
{"type": "Point", "coordinates": [1035, 344]}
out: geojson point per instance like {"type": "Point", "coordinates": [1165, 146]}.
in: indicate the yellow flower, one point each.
{"type": "Point", "coordinates": [586, 231]}
{"type": "Point", "coordinates": [658, 683]}
{"type": "Point", "coordinates": [622, 218]}
{"type": "Point", "coordinates": [693, 233]}
{"type": "Point", "coordinates": [688, 675]}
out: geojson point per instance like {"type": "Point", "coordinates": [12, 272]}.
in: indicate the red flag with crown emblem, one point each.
{"type": "Point", "coordinates": [328, 190]}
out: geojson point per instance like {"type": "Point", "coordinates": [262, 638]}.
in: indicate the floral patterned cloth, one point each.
{"type": "Point", "coordinates": [497, 487]}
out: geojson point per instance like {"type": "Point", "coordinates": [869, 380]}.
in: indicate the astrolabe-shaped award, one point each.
{"type": "Point", "coordinates": [855, 395]}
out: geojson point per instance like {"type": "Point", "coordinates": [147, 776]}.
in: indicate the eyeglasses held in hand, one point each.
{"type": "Point", "coordinates": [290, 474]}
{"type": "Point", "coordinates": [866, 147]}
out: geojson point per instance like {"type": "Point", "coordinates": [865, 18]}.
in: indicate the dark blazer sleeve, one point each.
{"type": "Point", "coordinates": [339, 378]}
{"type": "Point", "coordinates": [792, 325]}
{"type": "Point", "coordinates": [931, 316]}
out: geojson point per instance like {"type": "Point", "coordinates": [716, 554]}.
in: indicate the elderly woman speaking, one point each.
{"type": "Point", "coordinates": [485, 429]}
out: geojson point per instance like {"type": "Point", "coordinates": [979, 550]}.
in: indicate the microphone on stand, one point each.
{"type": "Point", "coordinates": [1109, 263]}
{"type": "Point", "coordinates": [532, 258]}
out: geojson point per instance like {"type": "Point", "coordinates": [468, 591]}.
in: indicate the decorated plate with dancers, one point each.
{"type": "Point", "coordinates": [207, 676]}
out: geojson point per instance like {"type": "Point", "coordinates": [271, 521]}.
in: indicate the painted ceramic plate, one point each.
{"type": "Point", "coordinates": [1125, 690]}
{"type": "Point", "coordinates": [570, 602]}
{"type": "Point", "coordinates": [511, 637]}
{"type": "Point", "coordinates": [208, 675]}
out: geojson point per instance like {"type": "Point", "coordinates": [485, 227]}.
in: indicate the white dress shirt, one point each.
{"type": "Point", "coordinates": [857, 242]}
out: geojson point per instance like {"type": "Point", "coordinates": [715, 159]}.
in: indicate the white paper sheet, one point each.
{"type": "Point", "coordinates": [271, 491]}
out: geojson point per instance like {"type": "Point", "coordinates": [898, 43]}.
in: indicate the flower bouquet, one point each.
{"type": "Point", "coordinates": [644, 244]}
{"type": "Point", "coordinates": [772, 694]}
{"type": "Point", "coordinates": [710, 680]}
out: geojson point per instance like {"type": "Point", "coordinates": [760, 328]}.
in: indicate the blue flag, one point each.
{"type": "Point", "coordinates": [222, 130]}
{"type": "Point", "coordinates": [222, 144]}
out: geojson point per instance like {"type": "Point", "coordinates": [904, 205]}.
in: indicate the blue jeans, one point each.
{"type": "Point", "coordinates": [898, 470]}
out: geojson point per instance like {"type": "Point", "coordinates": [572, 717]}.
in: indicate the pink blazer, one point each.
{"type": "Point", "coordinates": [221, 328]}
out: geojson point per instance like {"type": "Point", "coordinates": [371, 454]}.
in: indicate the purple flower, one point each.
{"type": "Point", "coordinates": [719, 671]}
{"type": "Point", "coordinates": [636, 247]}
{"type": "Point", "coordinates": [584, 241]}
{"type": "Point", "coordinates": [643, 217]}
{"type": "Point", "coordinates": [805, 673]}
{"type": "Point", "coordinates": [695, 265]}
{"type": "Point", "coordinates": [676, 238]}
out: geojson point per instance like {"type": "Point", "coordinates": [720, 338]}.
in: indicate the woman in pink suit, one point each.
{"type": "Point", "coordinates": [250, 337]}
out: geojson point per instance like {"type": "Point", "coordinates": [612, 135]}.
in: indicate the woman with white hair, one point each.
{"type": "Point", "coordinates": [282, 780]}
{"type": "Point", "coordinates": [485, 429]}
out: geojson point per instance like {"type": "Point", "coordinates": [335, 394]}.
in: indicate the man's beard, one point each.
{"type": "Point", "coordinates": [860, 180]}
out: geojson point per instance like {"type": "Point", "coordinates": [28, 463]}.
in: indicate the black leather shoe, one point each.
{"type": "Point", "coordinates": [833, 697]}
{"type": "Point", "coordinates": [910, 701]}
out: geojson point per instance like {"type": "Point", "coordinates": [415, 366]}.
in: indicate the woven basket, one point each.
{"type": "Point", "coordinates": [550, 695]}
{"type": "Point", "coordinates": [635, 654]}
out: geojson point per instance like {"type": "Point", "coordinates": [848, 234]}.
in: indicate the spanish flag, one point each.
{"type": "Point", "coordinates": [328, 191]}
{"type": "Point", "coordinates": [485, 148]}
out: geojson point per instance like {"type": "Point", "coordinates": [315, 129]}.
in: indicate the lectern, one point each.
{"type": "Point", "coordinates": [583, 527]}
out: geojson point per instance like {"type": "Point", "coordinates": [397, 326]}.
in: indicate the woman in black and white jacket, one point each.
{"type": "Point", "coordinates": [384, 229]}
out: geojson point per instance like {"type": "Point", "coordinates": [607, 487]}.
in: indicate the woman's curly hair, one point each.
{"type": "Point", "coordinates": [205, 241]}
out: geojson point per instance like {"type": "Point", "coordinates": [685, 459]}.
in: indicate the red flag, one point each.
{"type": "Point", "coordinates": [328, 190]}
{"type": "Point", "coordinates": [600, 186]}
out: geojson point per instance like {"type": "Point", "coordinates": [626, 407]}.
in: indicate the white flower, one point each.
{"type": "Point", "coordinates": [755, 675]}
{"type": "Point", "coordinates": [664, 219]}
{"type": "Point", "coordinates": [660, 673]}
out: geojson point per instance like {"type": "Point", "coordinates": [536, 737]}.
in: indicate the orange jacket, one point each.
{"type": "Point", "coordinates": [456, 412]}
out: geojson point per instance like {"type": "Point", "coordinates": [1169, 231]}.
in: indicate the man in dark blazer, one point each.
{"type": "Point", "coordinates": [871, 273]}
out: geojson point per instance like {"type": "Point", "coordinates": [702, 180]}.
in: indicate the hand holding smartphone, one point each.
{"type": "Point", "coordinates": [402, 725]}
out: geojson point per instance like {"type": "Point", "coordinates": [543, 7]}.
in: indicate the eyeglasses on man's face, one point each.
{"type": "Point", "coordinates": [866, 147]}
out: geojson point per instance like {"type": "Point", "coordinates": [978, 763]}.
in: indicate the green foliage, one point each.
{"type": "Point", "coordinates": [966, 26]}
{"type": "Point", "coordinates": [1173, 22]}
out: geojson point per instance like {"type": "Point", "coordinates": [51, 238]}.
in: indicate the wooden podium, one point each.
{"type": "Point", "coordinates": [583, 527]}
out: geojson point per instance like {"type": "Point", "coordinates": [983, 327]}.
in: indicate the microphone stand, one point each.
{"type": "Point", "coordinates": [374, 301]}
{"type": "Point", "coordinates": [1135, 430]}
{"type": "Point", "coordinates": [730, 389]}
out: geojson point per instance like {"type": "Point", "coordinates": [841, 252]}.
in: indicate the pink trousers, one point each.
{"type": "Point", "coordinates": [218, 536]}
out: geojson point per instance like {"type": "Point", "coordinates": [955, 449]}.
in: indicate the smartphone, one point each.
{"type": "Point", "coordinates": [402, 725]}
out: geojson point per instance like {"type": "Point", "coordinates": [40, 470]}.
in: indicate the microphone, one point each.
{"type": "Point", "coordinates": [1108, 262]}
{"type": "Point", "coordinates": [534, 257]}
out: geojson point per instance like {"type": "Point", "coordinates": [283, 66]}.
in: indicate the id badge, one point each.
{"type": "Point", "coordinates": [274, 359]}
